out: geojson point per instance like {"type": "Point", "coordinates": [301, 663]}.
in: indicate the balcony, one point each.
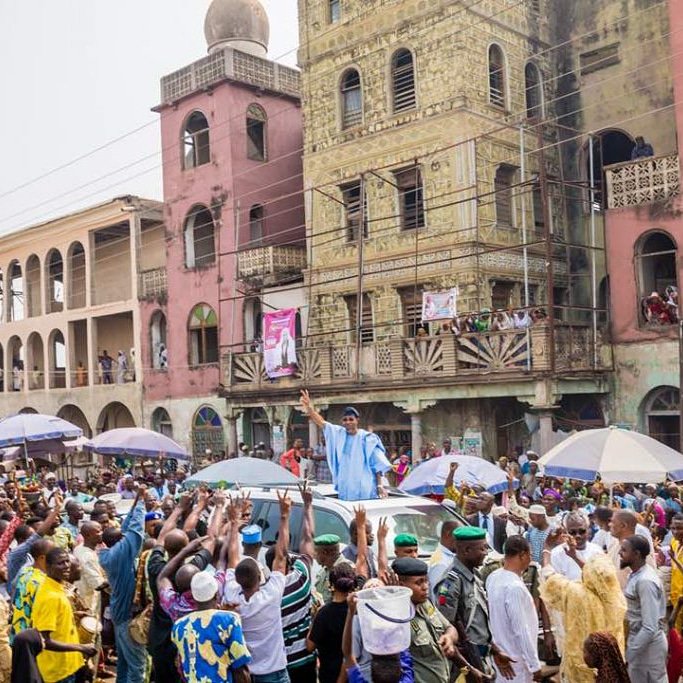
{"type": "Point", "coordinates": [644, 181]}
{"type": "Point", "coordinates": [152, 283]}
{"type": "Point", "coordinates": [448, 359]}
{"type": "Point", "coordinates": [271, 265]}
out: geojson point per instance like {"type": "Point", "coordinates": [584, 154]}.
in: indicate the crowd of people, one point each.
{"type": "Point", "coordinates": [486, 320]}
{"type": "Point", "coordinates": [661, 309]}
{"type": "Point", "coordinates": [181, 587]}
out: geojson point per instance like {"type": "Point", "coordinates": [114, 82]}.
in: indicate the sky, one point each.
{"type": "Point", "coordinates": [80, 74]}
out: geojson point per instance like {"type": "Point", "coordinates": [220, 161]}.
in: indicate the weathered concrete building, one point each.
{"type": "Point", "coordinates": [231, 136]}
{"type": "Point", "coordinates": [644, 229]}
{"type": "Point", "coordinates": [69, 292]}
{"type": "Point", "coordinates": [432, 162]}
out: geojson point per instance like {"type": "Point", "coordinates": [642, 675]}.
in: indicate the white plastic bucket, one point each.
{"type": "Point", "coordinates": [385, 615]}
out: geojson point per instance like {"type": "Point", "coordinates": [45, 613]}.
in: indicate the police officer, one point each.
{"type": "Point", "coordinates": [432, 639]}
{"type": "Point", "coordinates": [461, 598]}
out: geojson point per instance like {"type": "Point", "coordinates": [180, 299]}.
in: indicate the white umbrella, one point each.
{"type": "Point", "coordinates": [135, 442]}
{"type": "Point", "coordinates": [616, 455]}
{"type": "Point", "coordinates": [429, 477]}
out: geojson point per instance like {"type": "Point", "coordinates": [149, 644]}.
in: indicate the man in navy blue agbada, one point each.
{"type": "Point", "coordinates": [118, 561]}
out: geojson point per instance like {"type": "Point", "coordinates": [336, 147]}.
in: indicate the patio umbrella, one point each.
{"type": "Point", "coordinates": [135, 442]}
{"type": "Point", "coordinates": [616, 455]}
{"type": "Point", "coordinates": [429, 477]}
{"type": "Point", "coordinates": [244, 471]}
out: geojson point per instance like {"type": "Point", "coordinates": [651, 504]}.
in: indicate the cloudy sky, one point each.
{"type": "Point", "coordinates": [80, 74]}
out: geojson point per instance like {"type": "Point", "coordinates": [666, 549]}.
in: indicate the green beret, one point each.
{"type": "Point", "coordinates": [409, 566]}
{"type": "Point", "coordinates": [405, 541]}
{"type": "Point", "coordinates": [327, 539]}
{"type": "Point", "coordinates": [469, 533]}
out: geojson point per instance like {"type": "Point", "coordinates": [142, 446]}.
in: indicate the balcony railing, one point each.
{"type": "Point", "coordinates": [269, 265]}
{"type": "Point", "coordinates": [643, 181]}
{"type": "Point", "coordinates": [510, 354]}
{"type": "Point", "coordinates": [152, 283]}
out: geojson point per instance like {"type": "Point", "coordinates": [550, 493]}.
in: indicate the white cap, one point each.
{"type": "Point", "coordinates": [537, 510]}
{"type": "Point", "coordinates": [50, 475]}
{"type": "Point", "coordinates": [203, 586]}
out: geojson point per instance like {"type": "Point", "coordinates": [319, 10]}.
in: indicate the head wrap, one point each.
{"type": "Point", "coordinates": [553, 493]}
{"type": "Point", "coordinates": [605, 649]}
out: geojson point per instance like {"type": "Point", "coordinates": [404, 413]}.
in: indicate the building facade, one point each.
{"type": "Point", "coordinates": [69, 298]}
{"type": "Point", "coordinates": [233, 208]}
{"type": "Point", "coordinates": [644, 229]}
{"type": "Point", "coordinates": [432, 164]}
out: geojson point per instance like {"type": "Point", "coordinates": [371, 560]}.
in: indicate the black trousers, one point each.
{"type": "Point", "coordinates": [303, 674]}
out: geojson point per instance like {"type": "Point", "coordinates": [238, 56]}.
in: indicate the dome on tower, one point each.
{"type": "Point", "coordinates": [242, 24]}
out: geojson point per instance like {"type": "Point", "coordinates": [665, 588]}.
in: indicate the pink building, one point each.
{"type": "Point", "coordinates": [231, 135]}
{"type": "Point", "coordinates": [643, 232]}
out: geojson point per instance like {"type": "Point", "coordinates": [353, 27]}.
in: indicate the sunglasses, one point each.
{"type": "Point", "coordinates": [577, 532]}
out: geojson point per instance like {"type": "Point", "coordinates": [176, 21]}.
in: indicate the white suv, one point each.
{"type": "Point", "coordinates": [405, 514]}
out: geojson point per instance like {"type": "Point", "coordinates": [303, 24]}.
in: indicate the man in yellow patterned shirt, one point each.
{"type": "Point", "coordinates": [676, 553]}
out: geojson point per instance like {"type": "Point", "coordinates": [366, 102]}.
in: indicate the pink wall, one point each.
{"type": "Point", "coordinates": [230, 178]}
{"type": "Point", "coordinates": [624, 227]}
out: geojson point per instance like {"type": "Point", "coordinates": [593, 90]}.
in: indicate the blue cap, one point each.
{"type": "Point", "coordinates": [153, 516]}
{"type": "Point", "coordinates": [251, 534]}
{"type": "Point", "coordinates": [350, 411]}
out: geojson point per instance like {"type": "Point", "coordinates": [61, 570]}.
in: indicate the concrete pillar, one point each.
{"type": "Point", "coordinates": [416, 435]}
{"type": "Point", "coordinates": [92, 352]}
{"type": "Point", "coordinates": [89, 249]}
{"type": "Point", "coordinates": [546, 431]}
{"type": "Point", "coordinates": [232, 434]}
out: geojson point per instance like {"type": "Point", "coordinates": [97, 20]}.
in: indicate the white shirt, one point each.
{"type": "Point", "coordinates": [261, 622]}
{"type": "Point", "coordinates": [603, 539]}
{"type": "Point", "coordinates": [92, 576]}
{"type": "Point", "coordinates": [565, 565]}
{"type": "Point", "coordinates": [439, 563]}
{"type": "Point", "coordinates": [514, 623]}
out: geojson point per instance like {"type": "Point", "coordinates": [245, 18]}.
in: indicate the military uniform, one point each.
{"type": "Point", "coordinates": [322, 581]}
{"type": "Point", "coordinates": [429, 663]}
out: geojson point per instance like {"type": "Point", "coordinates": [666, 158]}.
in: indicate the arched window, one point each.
{"type": "Point", "coordinates": [533, 91]}
{"type": "Point", "coordinates": [76, 276]}
{"type": "Point", "coordinates": [196, 146]}
{"type": "Point", "coordinates": [54, 280]}
{"type": "Point", "coordinates": [351, 99]}
{"type": "Point", "coordinates": [15, 364]}
{"type": "Point", "coordinates": [157, 331]}
{"type": "Point", "coordinates": [203, 329]}
{"type": "Point", "coordinates": [36, 361]}
{"type": "Point", "coordinates": [403, 80]}
{"type": "Point", "coordinates": [662, 415]}
{"type": "Point", "coordinates": [16, 292]}
{"type": "Point", "coordinates": [256, 133]}
{"type": "Point", "coordinates": [161, 422]}
{"type": "Point", "coordinates": [505, 178]}
{"type": "Point", "coordinates": [253, 323]}
{"type": "Point", "coordinates": [57, 360]}
{"type": "Point", "coordinates": [657, 280]}
{"type": "Point", "coordinates": [207, 433]}
{"type": "Point", "coordinates": [334, 11]}
{"type": "Point", "coordinates": [496, 77]}
{"type": "Point", "coordinates": [33, 287]}
{"type": "Point", "coordinates": [200, 249]}
{"type": "Point", "coordinates": [255, 225]}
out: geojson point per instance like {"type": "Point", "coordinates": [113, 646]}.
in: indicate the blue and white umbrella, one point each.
{"type": "Point", "coordinates": [616, 455]}
{"type": "Point", "coordinates": [429, 477]}
{"type": "Point", "coordinates": [18, 430]}
{"type": "Point", "coordinates": [136, 442]}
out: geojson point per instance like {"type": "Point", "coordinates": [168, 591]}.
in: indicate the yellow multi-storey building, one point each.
{"type": "Point", "coordinates": [430, 165]}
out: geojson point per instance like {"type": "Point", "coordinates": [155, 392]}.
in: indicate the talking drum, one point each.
{"type": "Point", "coordinates": [385, 615]}
{"type": "Point", "coordinates": [88, 629]}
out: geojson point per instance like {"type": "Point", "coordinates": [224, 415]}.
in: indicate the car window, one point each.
{"type": "Point", "coordinates": [269, 520]}
{"type": "Point", "coordinates": [422, 521]}
{"type": "Point", "coordinates": [328, 522]}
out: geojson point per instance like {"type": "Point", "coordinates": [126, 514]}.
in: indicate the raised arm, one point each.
{"type": "Point", "coordinates": [282, 545]}
{"type": "Point", "coordinates": [347, 638]}
{"type": "Point", "coordinates": [308, 527]}
{"type": "Point", "coordinates": [362, 567]}
{"type": "Point", "coordinates": [382, 555]}
{"type": "Point", "coordinates": [193, 517]}
{"type": "Point", "coordinates": [233, 545]}
{"type": "Point", "coordinates": [172, 521]}
{"type": "Point", "coordinates": [174, 564]}
{"type": "Point", "coordinates": [309, 410]}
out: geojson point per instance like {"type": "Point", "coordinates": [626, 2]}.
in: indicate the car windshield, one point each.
{"type": "Point", "coordinates": [422, 521]}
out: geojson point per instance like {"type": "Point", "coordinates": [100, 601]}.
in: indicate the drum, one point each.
{"type": "Point", "coordinates": [88, 630]}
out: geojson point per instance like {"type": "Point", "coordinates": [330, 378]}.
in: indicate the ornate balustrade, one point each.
{"type": "Point", "coordinates": [270, 264]}
{"type": "Point", "coordinates": [643, 181]}
{"type": "Point", "coordinates": [152, 283]}
{"type": "Point", "coordinates": [511, 354]}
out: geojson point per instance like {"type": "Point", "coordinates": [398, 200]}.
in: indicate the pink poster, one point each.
{"type": "Point", "coordinates": [279, 342]}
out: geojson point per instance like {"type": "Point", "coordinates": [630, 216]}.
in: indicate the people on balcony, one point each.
{"type": "Point", "coordinates": [642, 149]}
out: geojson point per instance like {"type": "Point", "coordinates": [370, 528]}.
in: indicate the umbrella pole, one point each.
{"type": "Point", "coordinates": [611, 495]}
{"type": "Point", "coordinates": [25, 455]}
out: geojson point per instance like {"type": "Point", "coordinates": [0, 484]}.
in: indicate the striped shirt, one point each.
{"type": "Point", "coordinates": [296, 612]}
